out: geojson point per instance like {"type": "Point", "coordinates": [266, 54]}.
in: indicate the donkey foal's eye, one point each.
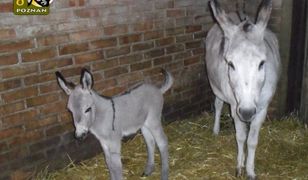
{"type": "Point", "coordinates": [230, 64]}
{"type": "Point", "coordinates": [261, 64]}
{"type": "Point", "coordinates": [88, 110]}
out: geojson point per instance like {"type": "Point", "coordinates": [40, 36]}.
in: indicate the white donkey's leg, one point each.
{"type": "Point", "coordinates": [218, 108]}
{"type": "Point", "coordinates": [150, 142]}
{"type": "Point", "coordinates": [253, 141]}
{"type": "Point", "coordinates": [241, 136]}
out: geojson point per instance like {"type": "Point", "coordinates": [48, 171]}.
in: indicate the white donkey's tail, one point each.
{"type": "Point", "coordinates": [168, 81]}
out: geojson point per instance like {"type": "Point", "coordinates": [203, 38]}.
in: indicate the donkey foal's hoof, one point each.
{"type": "Point", "coordinates": [238, 172]}
{"type": "Point", "coordinates": [252, 177]}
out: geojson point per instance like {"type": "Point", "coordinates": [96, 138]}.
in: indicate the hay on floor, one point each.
{"type": "Point", "coordinates": [195, 153]}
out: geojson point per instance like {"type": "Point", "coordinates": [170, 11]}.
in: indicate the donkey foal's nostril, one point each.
{"type": "Point", "coordinates": [247, 113]}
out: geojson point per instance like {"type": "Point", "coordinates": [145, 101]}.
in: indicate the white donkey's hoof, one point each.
{"type": "Point", "coordinates": [252, 177]}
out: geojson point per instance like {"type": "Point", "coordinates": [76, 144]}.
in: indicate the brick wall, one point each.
{"type": "Point", "coordinates": [121, 41]}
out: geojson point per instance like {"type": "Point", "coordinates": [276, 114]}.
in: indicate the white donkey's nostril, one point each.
{"type": "Point", "coordinates": [246, 113]}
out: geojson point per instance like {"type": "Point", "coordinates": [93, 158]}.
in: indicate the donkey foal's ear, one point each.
{"type": "Point", "coordinates": [86, 79]}
{"type": "Point", "coordinates": [62, 83]}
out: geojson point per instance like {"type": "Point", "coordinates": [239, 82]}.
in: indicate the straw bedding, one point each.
{"type": "Point", "coordinates": [196, 154]}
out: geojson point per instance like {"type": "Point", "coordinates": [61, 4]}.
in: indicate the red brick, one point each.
{"type": "Point", "coordinates": [141, 65]}
{"type": "Point", "coordinates": [38, 55]}
{"type": "Point", "coordinates": [59, 129]}
{"type": "Point", "coordinates": [143, 46]}
{"type": "Point", "coordinates": [175, 31]}
{"type": "Point", "coordinates": [103, 43]}
{"type": "Point", "coordinates": [11, 46]}
{"type": "Point", "coordinates": [162, 60]}
{"type": "Point", "coordinates": [106, 64]}
{"type": "Point", "coordinates": [19, 118]}
{"type": "Point", "coordinates": [87, 12]}
{"type": "Point", "coordinates": [11, 108]}
{"type": "Point", "coordinates": [175, 48]}
{"type": "Point", "coordinates": [11, 132]}
{"type": "Point", "coordinates": [72, 71]}
{"type": "Point", "coordinates": [130, 59]}
{"type": "Point", "coordinates": [53, 40]}
{"type": "Point", "coordinates": [117, 51]}
{"type": "Point", "coordinates": [130, 38]}
{"type": "Point", "coordinates": [85, 35]}
{"type": "Point", "coordinates": [20, 94]}
{"type": "Point", "coordinates": [66, 117]}
{"type": "Point", "coordinates": [130, 78]}
{"type": "Point", "coordinates": [34, 124]}
{"type": "Point", "coordinates": [118, 29]}
{"type": "Point", "coordinates": [192, 60]}
{"type": "Point", "coordinates": [116, 71]}
{"type": "Point", "coordinates": [73, 48]}
{"type": "Point", "coordinates": [154, 53]}
{"type": "Point", "coordinates": [6, 7]}
{"type": "Point", "coordinates": [49, 87]}
{"type": "Point", "coordinates": [184, 38]}
{"type": "Point", "coordinates": [56, 63]}
{"type": "Point", "coordinates": [26, 137]}
{"type": "Point", "coordinates": [40, 100]}
{"type": "Point", "coordinates": [152, 72]}
{"type": "Point", "coordinates": [8, 59]}
{"type": "Point", "coordinates": [113, 91]}
{"type": "Point", "coordinates": [175, 13]}
{"type": "Point", "coordinates": [153, 34]}
{"type": "Point", "coordinates": [193, 28]}
{"type": "Point", "coordinates": [11, 84]}
{"type": "Point", "coordinates": [164, 41]}
{"type": "Point", "coordinates": [56, 107]}
{"type": "Point", "coordinates": [89, 57]}
{"type": "Point", "coordinates": [198, 51]}
{"type": "Point", "coordinates": [200, 35]}
{"type": "Point", "coordinates": [143, 26]}
{"type": "Point", "coordinates": [40, 78]}
{"type": "Point", "coordinates": [105, 84]}
{"type": "Point", "coordinates": [193, 44]}
{"type": "Point", "coordinates": [19, 71]}
{"type": "Point", "coordinates": [7, 33]}
{"type": "Point", "coordinates": [76, 3]}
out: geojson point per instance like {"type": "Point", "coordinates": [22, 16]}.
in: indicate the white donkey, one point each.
{"type": "Point", "coordinates": [243, 63]}
{"type": "Point", "coordinates": [111, 118]}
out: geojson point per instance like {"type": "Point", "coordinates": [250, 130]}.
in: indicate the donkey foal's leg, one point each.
{"type": "Point", "coordinates": [150, 142]}
{"type": "Point", "coordinates": [241, 135]}
{"type": "Point", "coordinates": [112, 152]}
{"type": "Point", "coordinates": [162, 143]}
{"type": "Point", "coordinates": [218, 108]}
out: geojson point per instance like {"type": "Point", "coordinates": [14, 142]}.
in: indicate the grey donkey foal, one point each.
{"type": "Point", "coordinates": [111, 118]}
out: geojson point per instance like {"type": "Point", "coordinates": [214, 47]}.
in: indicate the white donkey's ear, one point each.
{"type": "Point", "coordinates": [222, 19]}
{"type": "Point", "coordinates": [63, 84]}
{"type": "Point", "coordinates": [263, 15]}
{"type": "Point", "coordinates": [86, 79]}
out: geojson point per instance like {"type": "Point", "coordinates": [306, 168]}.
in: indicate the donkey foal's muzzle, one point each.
{"type": "Point", "coordinates": [81, 136]}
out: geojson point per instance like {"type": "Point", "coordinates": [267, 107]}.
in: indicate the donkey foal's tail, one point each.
{"type": "Point", "coordinates": [168, 81]}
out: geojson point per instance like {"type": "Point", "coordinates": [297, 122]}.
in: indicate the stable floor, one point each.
{"type": "Point", "coordinates": [196, 154]}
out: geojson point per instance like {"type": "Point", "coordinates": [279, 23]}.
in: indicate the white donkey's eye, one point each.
{"type": "Point", "coordinates": [231, 65]}
{"type": "Point", "coordinates": [88, 110]}
{"type": "Point", "coordinates": [261, 65]}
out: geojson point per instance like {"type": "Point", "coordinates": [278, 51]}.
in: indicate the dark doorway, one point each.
{"type": "Point", "coordinates": [297, 55]}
